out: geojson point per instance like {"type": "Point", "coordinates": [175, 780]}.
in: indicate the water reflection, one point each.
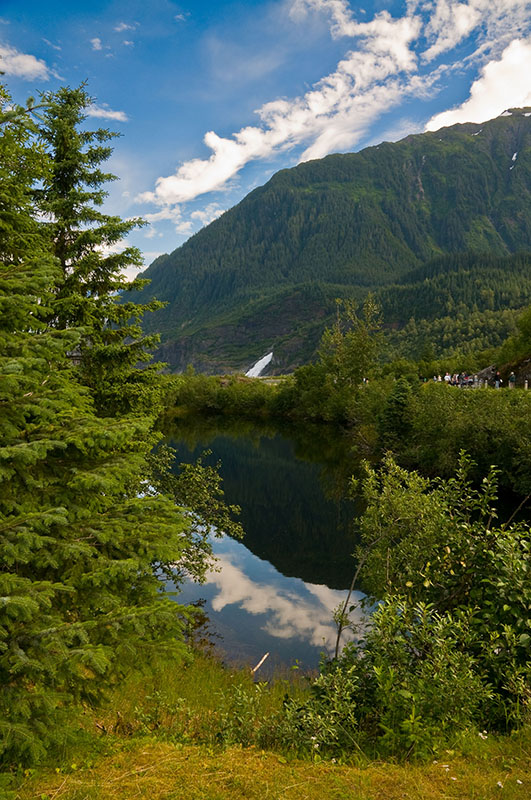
{"type": "Point", "coordinates": [277, 591]}
{"type": "Point", "coordinates": [291, 486]}
{"type": "Point", "coordinates": [256, 609]}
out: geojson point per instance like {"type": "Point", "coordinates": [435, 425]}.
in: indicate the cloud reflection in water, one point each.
{"type": "Point", "coordinates": [292, 608]}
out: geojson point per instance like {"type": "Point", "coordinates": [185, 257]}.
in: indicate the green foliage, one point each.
{"type": "Point", "coordinates": [423, 680]}
{"type": "Point", "coordinates": [435, 542]}
{"type": "Point", "coordinates": [519, 345]}
{"type": "Point", "coordinates": [234, 395]}
{"type": "Point", "coordinates": [84, 240]}
{"type": "Point", "coordinates": [448, 645]}
{"type": "Point", "coordinates": [464, 339]}
{"type": "Point", "coordinates": [329, 390]}
{"type": "Point", "coordinates": [86, 551]}
{"type": "Point", "coordinates": [450, 285]}
{"type": "Point", "coordinates": [81, 597]}
{"type": "Point", "coordinates": [396, 420]}
{"type": "Point", "coordinates": [492, 426]}
{"type": "Point", "coordinates": [198, 488]}
{"type": "Point", "coordinates": [408, 690]}
{"type": "Point", "coordinates": [347, 351]}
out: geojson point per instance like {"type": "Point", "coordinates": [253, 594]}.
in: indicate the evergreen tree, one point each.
{"type": "Point", "coordinates": [394, 424]}
{"type": "Point", "coordinates": [85, 549]}
{"type": "Point", "coordinates": [84, 240]}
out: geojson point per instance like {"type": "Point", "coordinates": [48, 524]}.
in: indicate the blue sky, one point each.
{"type": "Point", "coordinates": [212, 98]}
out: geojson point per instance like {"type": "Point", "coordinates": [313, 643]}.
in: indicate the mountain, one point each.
{"type": "Point", "coordinates": [437, 214]}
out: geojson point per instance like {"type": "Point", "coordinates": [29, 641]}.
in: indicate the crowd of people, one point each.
{"type": "Point", "coordinates": [474, 381]}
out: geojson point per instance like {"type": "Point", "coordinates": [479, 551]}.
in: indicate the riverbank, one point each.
{"type": "Point", "coordinates": [155, 770]}
{"type": "Point", "coordinates": [167, 736]}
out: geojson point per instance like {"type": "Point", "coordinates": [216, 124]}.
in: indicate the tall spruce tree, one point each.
{"type": "Point", "coordinates": [84, 550]}
{"type": "Point", "coordinates": [113, 353]}
{"type": "Point", "coordinates": [86, 241]}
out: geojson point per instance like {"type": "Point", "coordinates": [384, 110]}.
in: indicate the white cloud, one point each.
{"type": "Point", "coordinates": [185, 227]}
{"type": "Point", "coordinates": [96, 43]}
{"type": "Point", "coordinates": [167, 213]}
{"type": "Point", "coordinates": [338, 10]}
{"type": "Point", "coordinates": [103, 112]}
{"type": "Point", "coordinates": [450, 24]}
{"type": "Point", "coordinates": [206, 215]}
{"type": "Point", "coordinates": [124, 26]}
{"type": "Point", "coordinates": [389, 59]}
{"type": "Point", "coordinates": [505, 83]}
{"type": "Point", "coordinates": [22, 65]}
{"type": "Point", "coordinates": [128, 43]}
{"type": "Point", "coordinates": [334, 114]}
{"type": "Point", "coordinates": [171, 213]}
{"type": "Point", "coordinates": [52, 45]}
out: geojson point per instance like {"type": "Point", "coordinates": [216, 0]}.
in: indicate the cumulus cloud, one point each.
{"type": "Point", "coordinates": [503, 84]}
{"type": "Point", "coordinates": [208, 214]}
{"type": "Point", "coordinates": [388, 59]}
{"type": "Point", "coordinates": [96, 43]}
{"type": "Point", "coordinates": [173, 213]}
{"type": "Point", "coordinates": [124, 26]}
{"type": "Point", "coordinates": [22, 65]}
{"type": "Point", "coordinates": [104, 112]}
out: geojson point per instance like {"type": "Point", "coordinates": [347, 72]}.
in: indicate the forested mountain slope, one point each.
{"type": "Point", "coordinates": [264, 275]}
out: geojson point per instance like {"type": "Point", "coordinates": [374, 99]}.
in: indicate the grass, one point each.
{"type": "Point", "coordinates": [147, 768]}
{"type": "Point", "coordinates": [158, 739]}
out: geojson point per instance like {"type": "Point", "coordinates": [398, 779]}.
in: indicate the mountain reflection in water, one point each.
{"type": "Point", "coordinates": [277, 590]}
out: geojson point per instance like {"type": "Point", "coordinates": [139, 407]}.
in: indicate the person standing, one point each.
{"type": "Point", "coordinates": [512, 380]}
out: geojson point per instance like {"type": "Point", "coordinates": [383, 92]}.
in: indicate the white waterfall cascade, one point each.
{"type": "Point", "coordinates": [259, 367]}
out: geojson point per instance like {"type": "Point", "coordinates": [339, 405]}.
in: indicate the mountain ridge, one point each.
{"type": "Point", "coordinates": [354, 222]}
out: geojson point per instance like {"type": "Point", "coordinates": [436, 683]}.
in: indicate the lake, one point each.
{"type": "Point", "coordinates": [276, 591]}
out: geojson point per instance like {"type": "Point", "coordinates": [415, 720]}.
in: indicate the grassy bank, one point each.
{"type": "Point", "coordinates": [171, 735]}
{"type": "Point", "coordinates": [147, 768]}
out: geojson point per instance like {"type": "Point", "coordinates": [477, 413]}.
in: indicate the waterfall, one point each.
{"type": "Point", "coordinates": [259, 367]}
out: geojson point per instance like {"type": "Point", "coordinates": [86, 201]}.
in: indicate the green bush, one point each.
{"type": "Point", "coordinates": [410, 688]}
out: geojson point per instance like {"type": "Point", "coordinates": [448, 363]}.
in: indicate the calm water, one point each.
{"type": "Point", "coordinates": [276, 591]}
